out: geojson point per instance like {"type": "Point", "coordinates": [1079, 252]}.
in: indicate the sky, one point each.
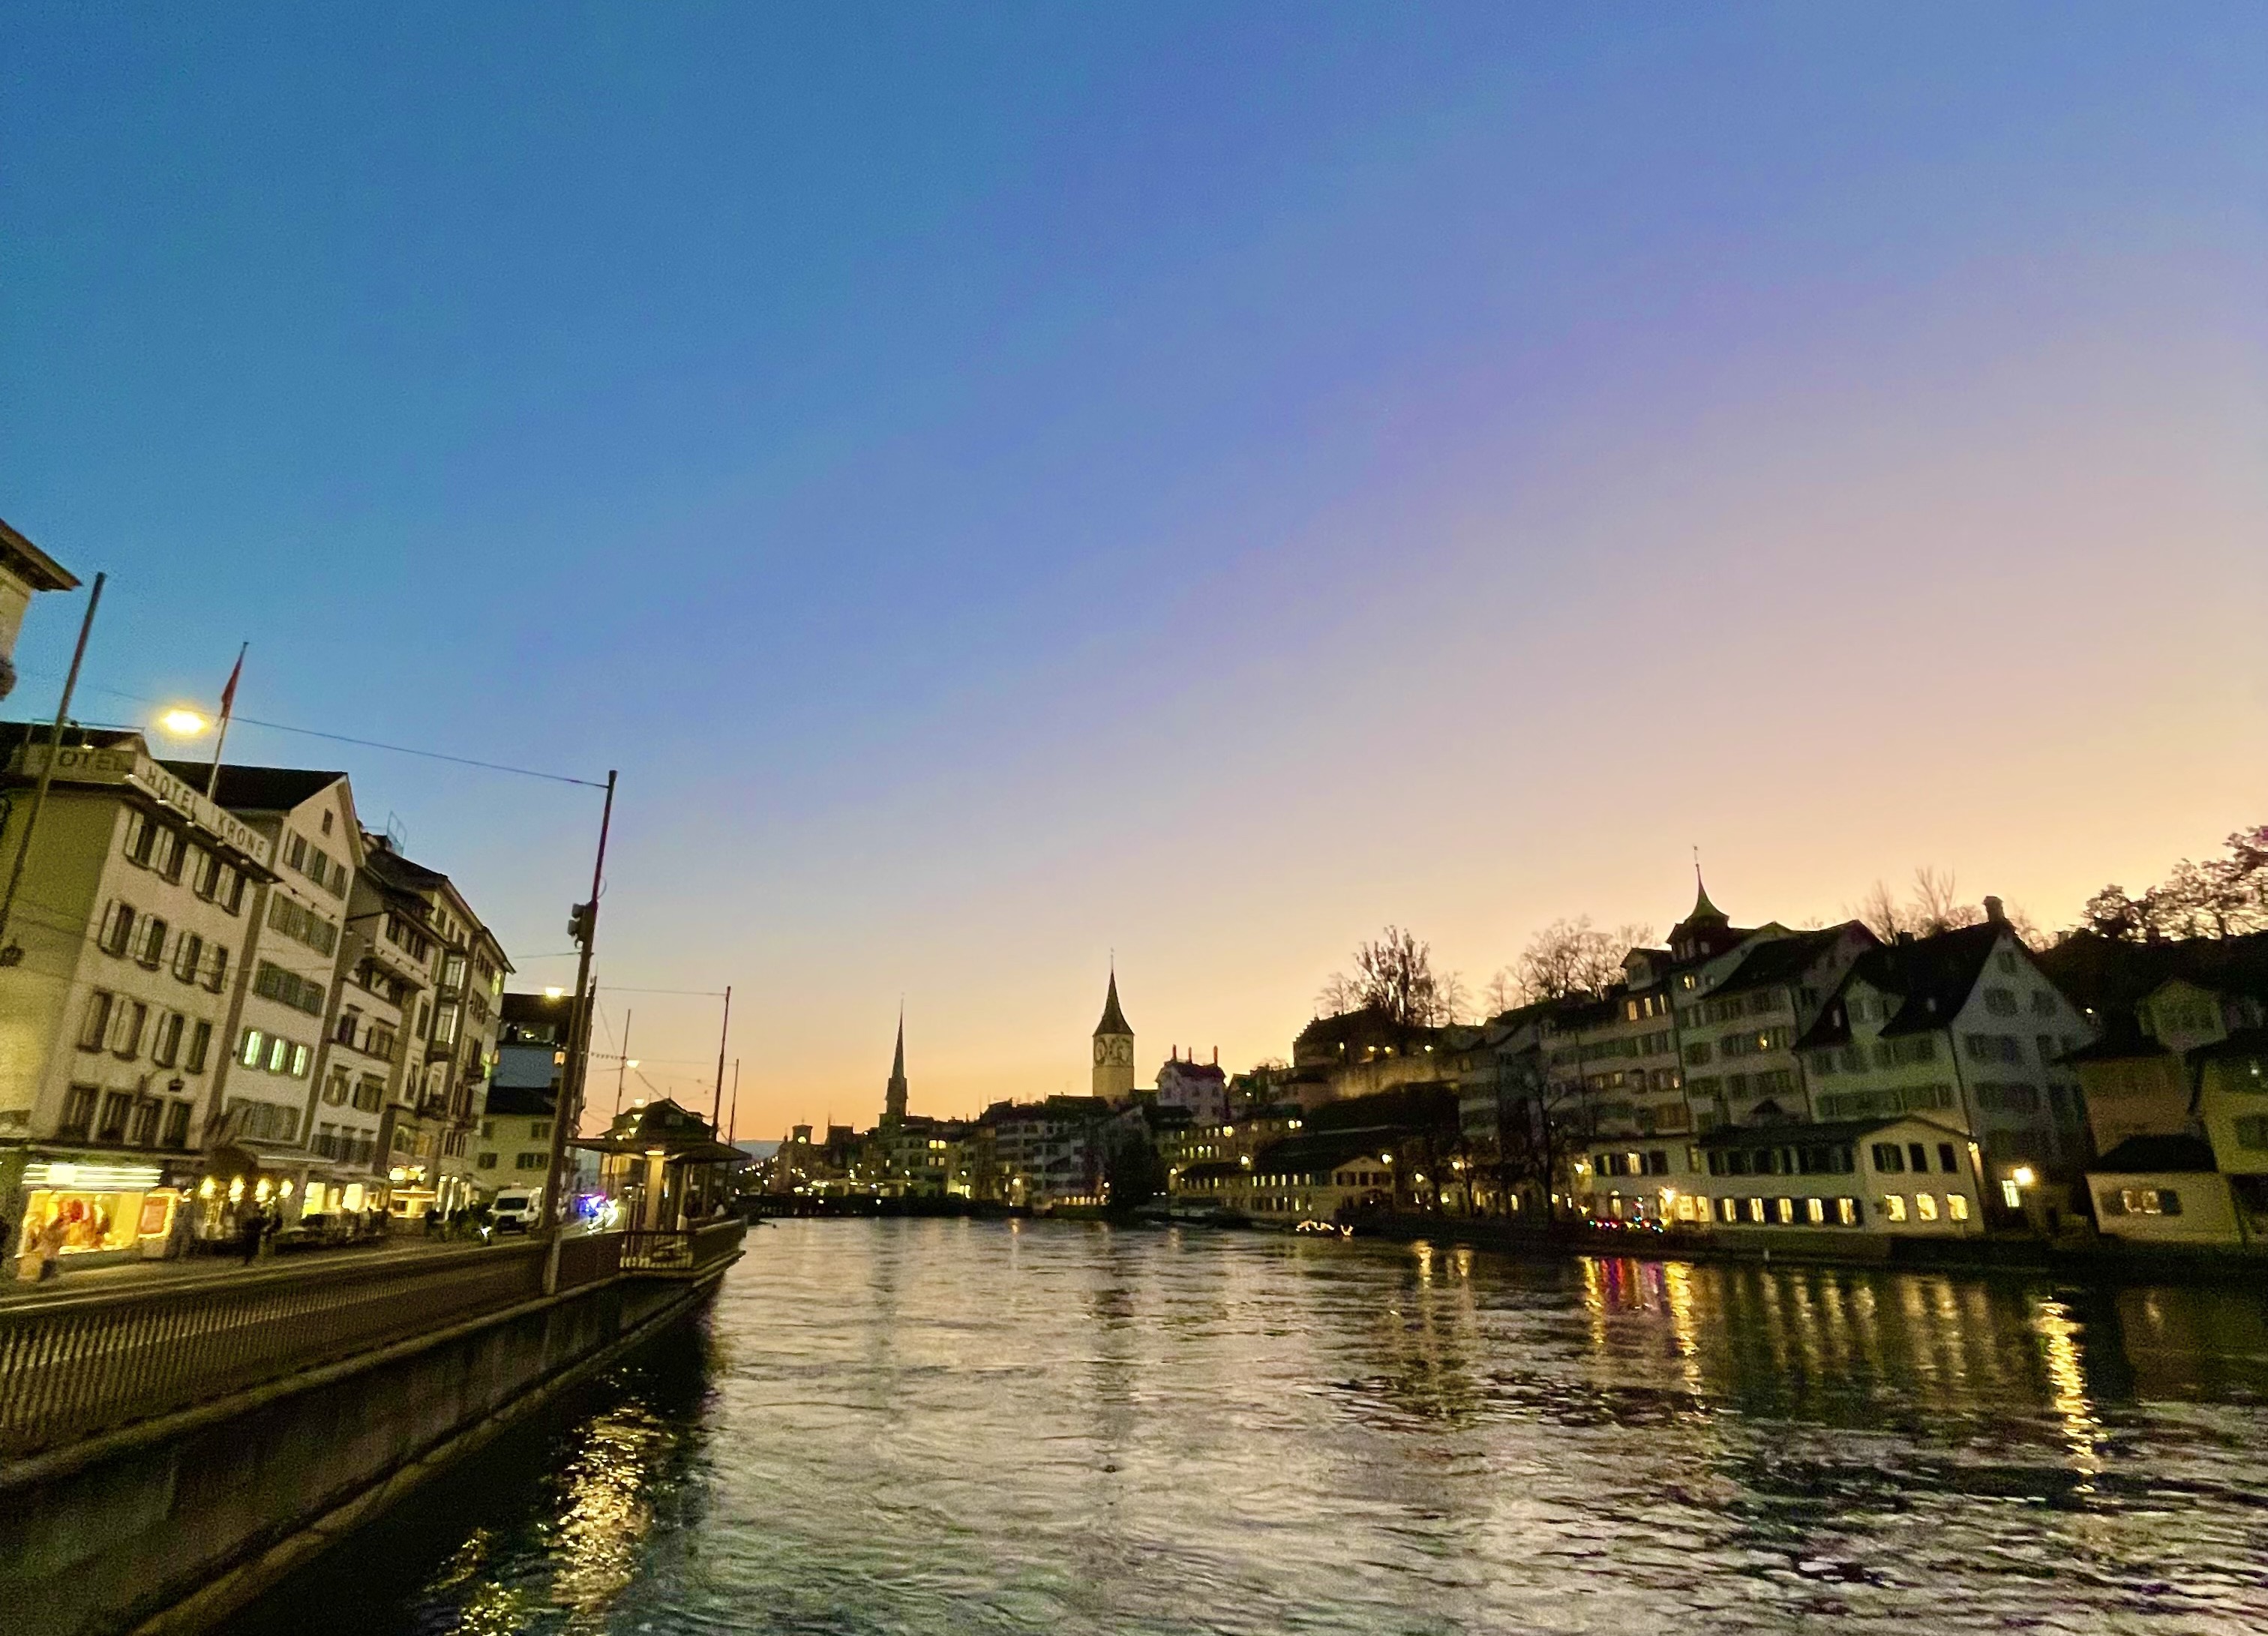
{"type": "Point", "coordinates": [1015, 488]}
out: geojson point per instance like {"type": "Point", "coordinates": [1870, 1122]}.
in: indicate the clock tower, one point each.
{"type": "Point", "coordinates": [1114, 1051]}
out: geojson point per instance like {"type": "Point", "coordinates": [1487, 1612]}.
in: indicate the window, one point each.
{"type": "Point", "coordinates": [294, 920]}
{"type": "Point", "coordinates": [189, 955]}
{"type": "Point", "coordinates": [149, 942]}
{"type": "Point", "coordinates": [145, 1131]}
{"type": "Point", "coordinates": [230, 895]}
{"type": "Point", "coordinates": [1783, 1210]}
{"type": "Point", "coordinates": [78, 1111]}
{"type": "Point", "coordinates": [532, 1161]}
{"type": "Point", "coordinates": [94, 1028]}
{"type": "Point", "coordinates": [301, 1054]}
{"type": "Point", "coordinates": [1889, 1161]}
{"type": "Point", "coordinates": [279, 1053]}
{"type": "Point", "coordinates": [1994, 1047]}
{"type": "Point", "coordinates": [1757, 1211]}
{"type": "Point", "coordinates": [1956, 1206]}
{"type": "Point", "coordinates": [199, 1048]}
{"type": "Point", "coordinates": [290, 988]}
{"type": "Point", "coordinates": [1697, 1054]}
{"type": "Point", "coordinates": [126, 1020]}
{"type": "Point", "coordinates": [1946, 1159]}
{"type": "Point", "coordinates": [1847, 1212]}
{"type": "Point", "coordinates": [1815, 1211]}
{"type": "Point", "coordinates": [444, 1024]}
{"type": "Point", "coordinates": [1999, 1001]}
{"type": "Point", "coordinates": [2011, 1194]}
{"type": "Point", "coordinates": [486, 1161]}
{"type": "Point", "coordinates": [253, 1048]}
{"type": "Point", "coordinates": [177, 1125]}
{"type": "Point", "coordinates": [1925, 1206]}
{"type": "Point", "coordinates": [1893, 1206]}
{"type": "Point", "coordinates": [165, 1044]}
{"type": "Point", "coordinates": [1727, 1209]}
{"type": "Point", "coordinates": [217, 979]}
{"type": "Point", "coordinates": [116, 1105]}
{"type": "Point", "coordinates": [539, 1131]}
{"type": "Point", "coordinates": [117, 929]}
{"type": "Point", "coordinates": [1917, 1156]}
{"type": "Point", "coordinates": [369, 1091]}
{"type": "Point", "coordinates": [170, 852]}
{"type": "Point", "coordinates": [204, 874]}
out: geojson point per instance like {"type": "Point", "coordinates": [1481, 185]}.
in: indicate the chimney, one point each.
{"type": "Point", "coordinates": [1216, 1056]}
{"type": "Point", "coordinates": [1994, 913]}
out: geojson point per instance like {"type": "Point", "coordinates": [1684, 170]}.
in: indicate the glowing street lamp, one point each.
{"type": "Point", "coordinates": [181, 722]}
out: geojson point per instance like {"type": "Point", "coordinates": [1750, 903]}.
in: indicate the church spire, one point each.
{"type": "Point", "coordinates": [1702, 908]}
{"type": "Point", "coordinates": [894, 1096]}
{"type": "Point", "coordinates": [1113, 1020]}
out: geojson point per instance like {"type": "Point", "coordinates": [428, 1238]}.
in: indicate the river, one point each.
{"type": "Point", "coordinates": [913, 1425]}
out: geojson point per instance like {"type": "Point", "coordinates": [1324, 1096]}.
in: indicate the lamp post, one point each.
{"type": "Point", "coordinates": [567, 1106]}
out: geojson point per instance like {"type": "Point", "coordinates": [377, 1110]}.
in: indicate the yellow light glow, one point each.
{"type": "Point", "coordinates": [634, 1062]}
{"type": "Point", "coordinates": [553, 993]}
{"type": "Point", "coordinates": [183, 723]}
{"type": "Point", "coordinates": [207, 1188]}
{"type": "Point", "coordinates": [2023, 1175]}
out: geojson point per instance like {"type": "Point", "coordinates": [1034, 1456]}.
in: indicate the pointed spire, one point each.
{"type": "Point", "coordinates": [898, 1062]}
{"type": "Point", "coordinates": [1113, 1020]}
{"type": "Point", "coordinates": [1702, 908]}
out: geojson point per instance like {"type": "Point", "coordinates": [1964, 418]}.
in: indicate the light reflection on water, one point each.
{"type": "Point", "coordinates": [912, 1426]}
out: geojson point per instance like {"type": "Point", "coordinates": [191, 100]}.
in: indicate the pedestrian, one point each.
{"type": "Point", "coordinates": [248, 1232]}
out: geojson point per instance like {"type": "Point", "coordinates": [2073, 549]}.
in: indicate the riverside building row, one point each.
{"type": "Point", "coordinates": [215, 1003]}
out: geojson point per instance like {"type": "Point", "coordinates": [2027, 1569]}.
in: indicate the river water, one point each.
{"type": "Point", "coordinates": [1033, 1427]}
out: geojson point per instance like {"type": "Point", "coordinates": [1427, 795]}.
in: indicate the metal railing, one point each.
{"type": "Point", "coordinates": [73, 1365]}
{"type": "Point", "coordinates": [681, 1251]}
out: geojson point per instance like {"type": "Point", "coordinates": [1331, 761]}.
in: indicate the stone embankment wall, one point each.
{"type": "Point", "coordinates": [171, 1525]}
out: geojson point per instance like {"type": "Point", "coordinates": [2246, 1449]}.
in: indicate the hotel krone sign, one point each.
{"type": "Point", "coordinates": [130, 766]}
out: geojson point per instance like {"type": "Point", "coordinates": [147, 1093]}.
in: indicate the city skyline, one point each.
{"type": "Point", "coordinates": [1252, 484]}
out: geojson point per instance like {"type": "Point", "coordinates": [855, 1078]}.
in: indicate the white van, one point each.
{"type": "Point", "coordinates": [516, 1209]}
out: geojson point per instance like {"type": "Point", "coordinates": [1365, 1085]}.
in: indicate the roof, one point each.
{"type": "Point", "coordinates": [2124, 1043]}
{"type": "Point", "coordinates": [1933, 977]}
{"type": "Point", "coordinates": [400, 873]}
{"type": "Point", "coordinates": [1113, 1020]}
{"type": "Point", "coordinates": [1702, 908]}
{"type": "Point", "coordinates": [677, 1132]}
{"type": "Point", "coordinates": [1320, 1150]}
{"type": "Point", "coordinates": [2141, 1155]}
{"type": "Point", "coordinates": [1366, 1025]}
{"type": "Point", "coordinates": [33, 566]}
{"type": "Point", "coordinates": [256, 789]}
{"type": "Point", "coordinates": [1834, 1132]}
{"type": "Point", "coordinates": [1777, 960]}
{"type": "Point", "coordinates": [1213, 1170]}
{"type": "Point", "coordinates": [2107, 975]}
{"type": "Point", "coordinates": [514, 1102]}
{"type": "Point", "coordinates": [2243, 1044]}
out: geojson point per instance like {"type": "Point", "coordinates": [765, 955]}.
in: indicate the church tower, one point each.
{"type": "Point", "coordinates": [1114, 1049]}
{"type": "Point", "coordinates": [894, 1096]}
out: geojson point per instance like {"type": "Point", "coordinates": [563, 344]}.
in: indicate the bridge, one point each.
{"type": "Point", "coordinates": [170, 1447]}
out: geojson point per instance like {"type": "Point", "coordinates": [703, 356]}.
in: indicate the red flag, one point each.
{"type": "Point", "coordinates": [228, 693]}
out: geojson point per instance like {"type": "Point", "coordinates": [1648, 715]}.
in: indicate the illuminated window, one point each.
{"type": "Point", "coordinates": [1756, 1210]}
{"type": "Point", "coordinates": [1893, 1206]}
{"type": "Point", "coordinates": [1784, 1208]}
{"type": "Point", "coordinates": [1816, 1209]}
{"type": "Point", "coordinates": [1847, 1212]}
{"type": "Point", "coordinates": [1956, 1206]}
{"type": "Point", "coordinates": [1925, 1206]}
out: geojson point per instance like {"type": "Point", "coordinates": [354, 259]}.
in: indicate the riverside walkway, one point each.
{"type": "Point", "coordinates": [94, 1352]}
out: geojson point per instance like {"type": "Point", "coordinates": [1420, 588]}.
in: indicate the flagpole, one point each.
{"type": "Point", "coordinates": [227, 709]}
{"type": "Point", "coordinates": [10, 954]}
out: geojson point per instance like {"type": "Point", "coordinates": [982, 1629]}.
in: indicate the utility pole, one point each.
{"type": "Point", "coordinates": [732, 1119]}
{"type": "Point", "coordinates": [9, 953]}
{"type": "Point", "coordinates": [717, 1107]}
{"type": "Point", "coordinates": [623, 1071]}
{"type": "Point", "coordinates": [567, 1106]}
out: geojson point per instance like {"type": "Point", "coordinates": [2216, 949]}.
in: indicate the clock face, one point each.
{"type": "Point", "coordinates": [1102, 1052]}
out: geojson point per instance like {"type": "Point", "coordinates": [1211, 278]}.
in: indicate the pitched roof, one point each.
{"type": "Point", "coordinates": [1934, 975]}
{"type": "Point", "coordinates": [256, 789]}
{"type": "Point", "coordinates": [33, 566]}
{"type": "Point", "coordinates": [2106, 975]}
{"type": "Point", "coordinates": [1113, 1020]}
{"type": "Point", "coordinates": [2140, 1155]}
{"type": "Point", "coordinates": [1777, 961]}
{"type": "Point", "coordinates": [1318, 1150]}
{"type": "Point", "coordinates": [1836, 1131]}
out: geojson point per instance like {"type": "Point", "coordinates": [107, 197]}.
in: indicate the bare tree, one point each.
{"type": "Point", "coordinates": [1502, 991]}
{"type": "Point", "coordinates": [1936, 905]}
{"type": "Point", "coordinates": [1394, 974]}
{"type": "Point", "coordinates": [1574, 957]}
{"type": "Point", "coordinates": [1933, 908]}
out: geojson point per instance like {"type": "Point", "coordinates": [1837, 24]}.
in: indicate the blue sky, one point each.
{"type": "Point", "coordinates": [1008, 485]}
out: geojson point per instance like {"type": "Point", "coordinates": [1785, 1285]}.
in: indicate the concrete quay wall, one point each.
{"type": "Point", "coordinates": [169, 1526]}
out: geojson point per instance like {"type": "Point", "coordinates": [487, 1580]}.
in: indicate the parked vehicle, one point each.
{"type": "Point", "coordinates": [516, 1209]}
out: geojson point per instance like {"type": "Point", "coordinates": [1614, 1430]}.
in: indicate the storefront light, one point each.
{"type": "Point", "coordinates": [236, 1189]}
